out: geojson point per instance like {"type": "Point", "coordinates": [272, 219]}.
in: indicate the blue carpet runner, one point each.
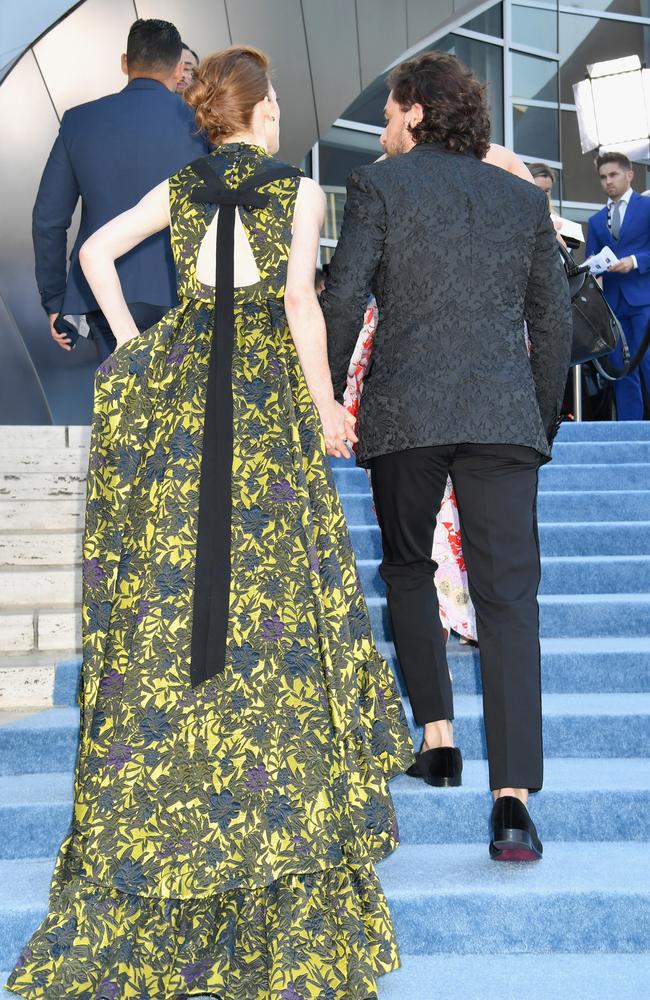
{"type": "Point", "coordinates": [575, 926]}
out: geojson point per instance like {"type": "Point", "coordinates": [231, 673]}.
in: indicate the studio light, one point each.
{"type": "Point", "coordinates": [613, 106]}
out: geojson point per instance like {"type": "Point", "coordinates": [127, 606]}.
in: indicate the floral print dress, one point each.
{"type": "Point", "coordinates": [225, 829]}
{"type": "Point", "coordinates": [456, 609]}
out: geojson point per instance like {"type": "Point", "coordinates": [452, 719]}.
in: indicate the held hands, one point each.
{"type": "Point", "coordinates": [622, 266]}
{"type": "Point", "coordinates": [338, 428]}
{"type": "Point", "coordinates": [59, 338]}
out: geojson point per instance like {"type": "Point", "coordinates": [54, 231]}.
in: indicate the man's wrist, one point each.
{"type": "Point", "coordinates": [634, 261]}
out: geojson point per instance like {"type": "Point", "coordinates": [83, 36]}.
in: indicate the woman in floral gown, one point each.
{"type": "Point", "coordinates": [238, 726]}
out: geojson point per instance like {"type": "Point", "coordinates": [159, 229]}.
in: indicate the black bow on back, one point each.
{"type": "Point", "coordinates": [212, 577]}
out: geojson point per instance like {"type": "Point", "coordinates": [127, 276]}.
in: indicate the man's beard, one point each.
{"type": "Point", "coordinates": [402, 144]}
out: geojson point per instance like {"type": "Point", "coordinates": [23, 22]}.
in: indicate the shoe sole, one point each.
{"type": "Point", "coordinates": [443, 782]}
{"type": "Point", "coordinates": [514, 845]}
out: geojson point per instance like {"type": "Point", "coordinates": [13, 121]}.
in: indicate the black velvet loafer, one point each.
{"type": "Point", "coordinates": [514, 837]}
{"type": "Point", "coordinates": [441, 767]}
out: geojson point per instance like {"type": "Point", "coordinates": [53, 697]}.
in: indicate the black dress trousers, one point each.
{"type": "Point", "coordinates": [496, 492]}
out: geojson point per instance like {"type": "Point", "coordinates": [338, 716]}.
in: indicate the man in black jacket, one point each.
{"type": "Point", "coordinates": [458, 254]}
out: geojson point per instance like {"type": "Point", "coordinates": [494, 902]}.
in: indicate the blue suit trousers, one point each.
{"type": "Point", "coordinates": [632, 393]}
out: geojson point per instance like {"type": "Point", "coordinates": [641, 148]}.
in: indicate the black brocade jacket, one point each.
{"type": "Point", "coordinates": [458, 254]}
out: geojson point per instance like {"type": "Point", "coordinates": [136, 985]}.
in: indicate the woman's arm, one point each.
{"type": "Point", "coordinates": [99, 253]}
{"type": "Point", "coordinates": [306, 321]}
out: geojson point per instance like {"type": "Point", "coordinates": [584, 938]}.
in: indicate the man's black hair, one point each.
{"type": "Point", "coordinates": [153, 44]}
{"type": "Point", "coordinates": [186, 46]}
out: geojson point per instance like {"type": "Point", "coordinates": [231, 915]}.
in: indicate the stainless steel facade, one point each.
{"type": "Point", "coordinates": [324, 52]}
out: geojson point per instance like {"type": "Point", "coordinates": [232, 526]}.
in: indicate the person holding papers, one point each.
{"type": "Point", "coordinates": [623, 226]}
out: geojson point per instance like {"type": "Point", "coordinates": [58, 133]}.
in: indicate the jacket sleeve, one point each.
{"type": "Point", "coordinates": [57, 197]}
{"type": "Point", "coordinates": [550, 325]}
{"type": "Point", "coordinates": [351, 274]}
{"type": "Point", "coordinates": [591, 247]}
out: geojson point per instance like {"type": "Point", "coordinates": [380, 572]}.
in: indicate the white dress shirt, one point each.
{"type": "Point", "coordinates": [622, 208]}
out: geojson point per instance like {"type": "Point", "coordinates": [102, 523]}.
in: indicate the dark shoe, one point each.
{"type": "Point", "coordinates": [441, 767]}
{"type": "Point", "coordinates": [514, 837]}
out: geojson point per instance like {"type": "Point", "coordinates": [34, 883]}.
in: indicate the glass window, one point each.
{"type": "Point", "coordinates": [536, 132]}
{"type": "Point", "coordinates": [585, 40]}
{"type": "Point", "coordinates": [369, 105]}
{"type": "Point", "coordinates": [638, 8]}
{"type": "Point", "coordinates": [490, 22]}
{"type": "Point", "coordinates": [535, 27]}
{"type": "Point", "coordinates": [482, 58]}
{"type": "Point", "coordinates": [341, 150]}
{"type": "Point", "coordinates": [556, 190]}
{"type": "Point", "coordinates": [580, 178]}
{"type": "Point", "coordinates": [534, 78]}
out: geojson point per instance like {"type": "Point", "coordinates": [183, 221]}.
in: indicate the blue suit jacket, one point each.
{"type": "Point", "coordinates": [110, 152]}
{"type": "Point", "coordinates": [631, 289]}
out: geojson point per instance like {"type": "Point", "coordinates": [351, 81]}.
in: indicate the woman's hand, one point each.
{"type": "Point", "coordinates": [338, 428]}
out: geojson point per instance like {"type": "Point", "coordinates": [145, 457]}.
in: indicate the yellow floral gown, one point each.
{"type": "Point", "coordinates": [224, 831]}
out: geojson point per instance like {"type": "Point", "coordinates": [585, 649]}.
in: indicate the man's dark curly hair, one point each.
{"type": "Point", "coordinates": [454, 102]}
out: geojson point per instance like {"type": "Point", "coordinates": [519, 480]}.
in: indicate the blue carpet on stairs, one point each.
{"type": "Point", "coordinates": [575, 926]}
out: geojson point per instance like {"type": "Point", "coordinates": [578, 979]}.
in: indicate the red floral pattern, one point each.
{"type": "Point", "coordinates": [456, 608]}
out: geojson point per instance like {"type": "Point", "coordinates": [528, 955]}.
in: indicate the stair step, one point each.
{"type": "Point", "coordinates": [40, 549]}
{"type": "Point", "coordinates": [480, 907]}
{"type": "Point", "coordinates": [39, 437]}
{"type": "Point", "coordinates": [561, 615]}
{"type": "Point", "coordinates": [561, 505]}
{"type": "Point", "coordinates": [608, 539]}
{"type": "Point", "coordinates": [604, 430]}
{"type": "Point", "coordinates": [582, 800]}
{"type": "Point", "coordinates": [569, 666]}
{"type": "Point", "coordinates": [42, 486]}
{"type": "Point", "coordinates": [631, 476]}
{"type": "Point", "coordinates": [26, 684]}
{"type": "Point", "coordinates": [566, 901]}
{"type": "Point", "coordinates": [560, 575]}
{"type": "Point", "coordinates": [37, 515]}
{"type": "Point", "coordinates": [575, 725]}
{"type": "Point", "coordinates": [39, 587]}
{"type": "Point", "coordinates": [60, 460]}
{"type": "Point", "coordinates": [17, 633]}
{"type": "Point", "coordinates": [57, 630]}
{"type": "Point", "coordinates": [590, 976]}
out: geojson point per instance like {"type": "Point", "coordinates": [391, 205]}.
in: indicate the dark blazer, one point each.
{"type": "Point", "coordinates": [110, 152]}
{"type": "Point", "coordinates": [631, 289]}
{"type": "Point", "coordinates": [458, 253]}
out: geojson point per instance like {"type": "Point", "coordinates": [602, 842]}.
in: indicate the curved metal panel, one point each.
{"type": "Point", "coordinates": [27, 137]}
{"type": "Point", "coordinates": [278, 29]}
{"type": "Point", "coordinates": [22, 399]}
{"type": "Point", "coordinates": [203, 24]}
{"type": "Point", "coordinates": [382, 35]}
{"type": "Point", "coordinates": [80, 57]}
{"type": "Point", "coordinates": [331, 31]}
{"type": "Point", "coordinates": [419, 18]}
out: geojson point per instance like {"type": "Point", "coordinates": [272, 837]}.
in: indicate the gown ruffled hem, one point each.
{"type": "Point", "coordinates": [321, 936]}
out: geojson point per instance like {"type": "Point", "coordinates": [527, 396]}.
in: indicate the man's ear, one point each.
{"type": "Point", "coordinates": [415, 115]}
{"type": "Point", "coordinates": [178, 72]}
{"type": "Point", "coordinates": [124, 64]}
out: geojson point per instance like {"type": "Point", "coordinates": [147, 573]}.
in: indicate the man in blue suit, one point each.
{"type": "Point", "coordinates": [110, 152]}
{"type": "Point", "coordinates": [624, 225]}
